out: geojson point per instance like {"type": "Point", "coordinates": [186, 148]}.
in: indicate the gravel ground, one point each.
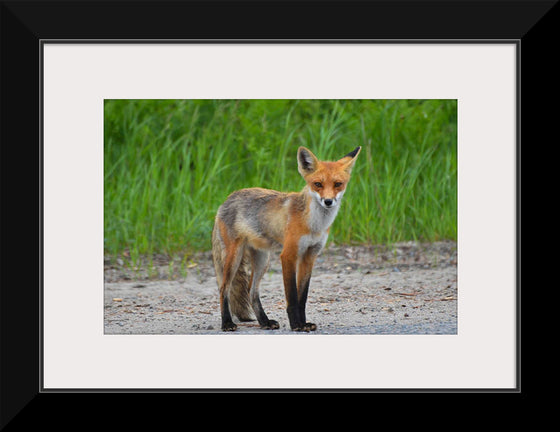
{"type": "Point", "coordinates": [408, 288]}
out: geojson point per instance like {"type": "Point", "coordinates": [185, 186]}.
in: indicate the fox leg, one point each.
{"type": "Point", "coordinates": [234, 254]}
{"type": "Point", "coordinates": [305, 268]}
{"type": "Point", "coordinates": [289, 265]}
{"type": "Point", "coordinates": [259, 260]}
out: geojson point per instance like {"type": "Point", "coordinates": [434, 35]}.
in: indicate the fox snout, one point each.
{"type": "Point", "coordinates": [330, 202]}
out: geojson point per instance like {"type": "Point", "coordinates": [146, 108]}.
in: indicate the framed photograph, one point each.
{"type": "Point", "coordinates": [420, 187]}
{"type": "Point", "coordinates": [143, 134]}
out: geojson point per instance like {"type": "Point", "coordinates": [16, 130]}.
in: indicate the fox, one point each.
{"type": "Point", "coordinates": [253, 222]}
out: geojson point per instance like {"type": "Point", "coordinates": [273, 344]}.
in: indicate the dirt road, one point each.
{"type": "Point", "coordinates": [409, 288]}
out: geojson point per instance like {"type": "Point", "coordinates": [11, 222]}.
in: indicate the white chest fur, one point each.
{"type": "Point", "coordinates": [310, 241]}
{"type": "Point", "coordinates": [320, 219]}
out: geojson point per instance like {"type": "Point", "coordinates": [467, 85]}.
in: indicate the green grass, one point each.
{"type": "Point", "coordinates": [169, 164]}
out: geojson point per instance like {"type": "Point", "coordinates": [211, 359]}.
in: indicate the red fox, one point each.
{"type": "Point", "coordinates": [252, 222]}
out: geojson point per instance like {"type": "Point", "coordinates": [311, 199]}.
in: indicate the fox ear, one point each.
{"type": "Point", "coordinates": [349, 160]}
{"type": "Point", "coordinates": [307, 162]}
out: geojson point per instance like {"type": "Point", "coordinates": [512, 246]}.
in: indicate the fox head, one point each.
{"type": "Point", "coordinates": [326, 181]}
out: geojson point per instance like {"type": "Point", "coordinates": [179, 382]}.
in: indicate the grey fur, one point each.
{"type": "Point", "coordinates": [245, 205]}
{"type": "Point", "coordinates": [239, 302]}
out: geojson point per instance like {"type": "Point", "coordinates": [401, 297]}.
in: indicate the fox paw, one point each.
{"type": "Point", "coordinates": [307, 327]}
{"type": "Point", "coordinates": [270, 325]}
{"type": "Point", "coordinates": [229, 326]}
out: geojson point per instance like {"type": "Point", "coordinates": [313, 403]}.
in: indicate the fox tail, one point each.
{"type": "Point", "coordinates": [238, 295]}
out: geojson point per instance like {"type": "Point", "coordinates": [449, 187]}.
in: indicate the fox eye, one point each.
{"type": "Point", "coordinates": [337, 184]}
{"type": "Point", "coordinates": [318, 184]}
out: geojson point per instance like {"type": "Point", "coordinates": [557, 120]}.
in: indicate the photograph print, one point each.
{"type": "Point", "coordinates": [269, 216]}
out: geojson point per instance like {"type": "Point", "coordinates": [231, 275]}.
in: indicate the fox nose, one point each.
{"type": "Point", "coordinates": [328, 202]}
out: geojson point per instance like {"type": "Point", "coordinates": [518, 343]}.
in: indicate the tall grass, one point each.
{"type": "Point", "coordinates": [169, 164]}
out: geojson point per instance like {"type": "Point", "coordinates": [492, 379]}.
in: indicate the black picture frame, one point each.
{"type": "Point", "coordinates": [27, 25]}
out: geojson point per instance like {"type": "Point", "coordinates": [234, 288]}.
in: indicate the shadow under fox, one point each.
{"type": "Point", "coordinates": [252, 222]}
